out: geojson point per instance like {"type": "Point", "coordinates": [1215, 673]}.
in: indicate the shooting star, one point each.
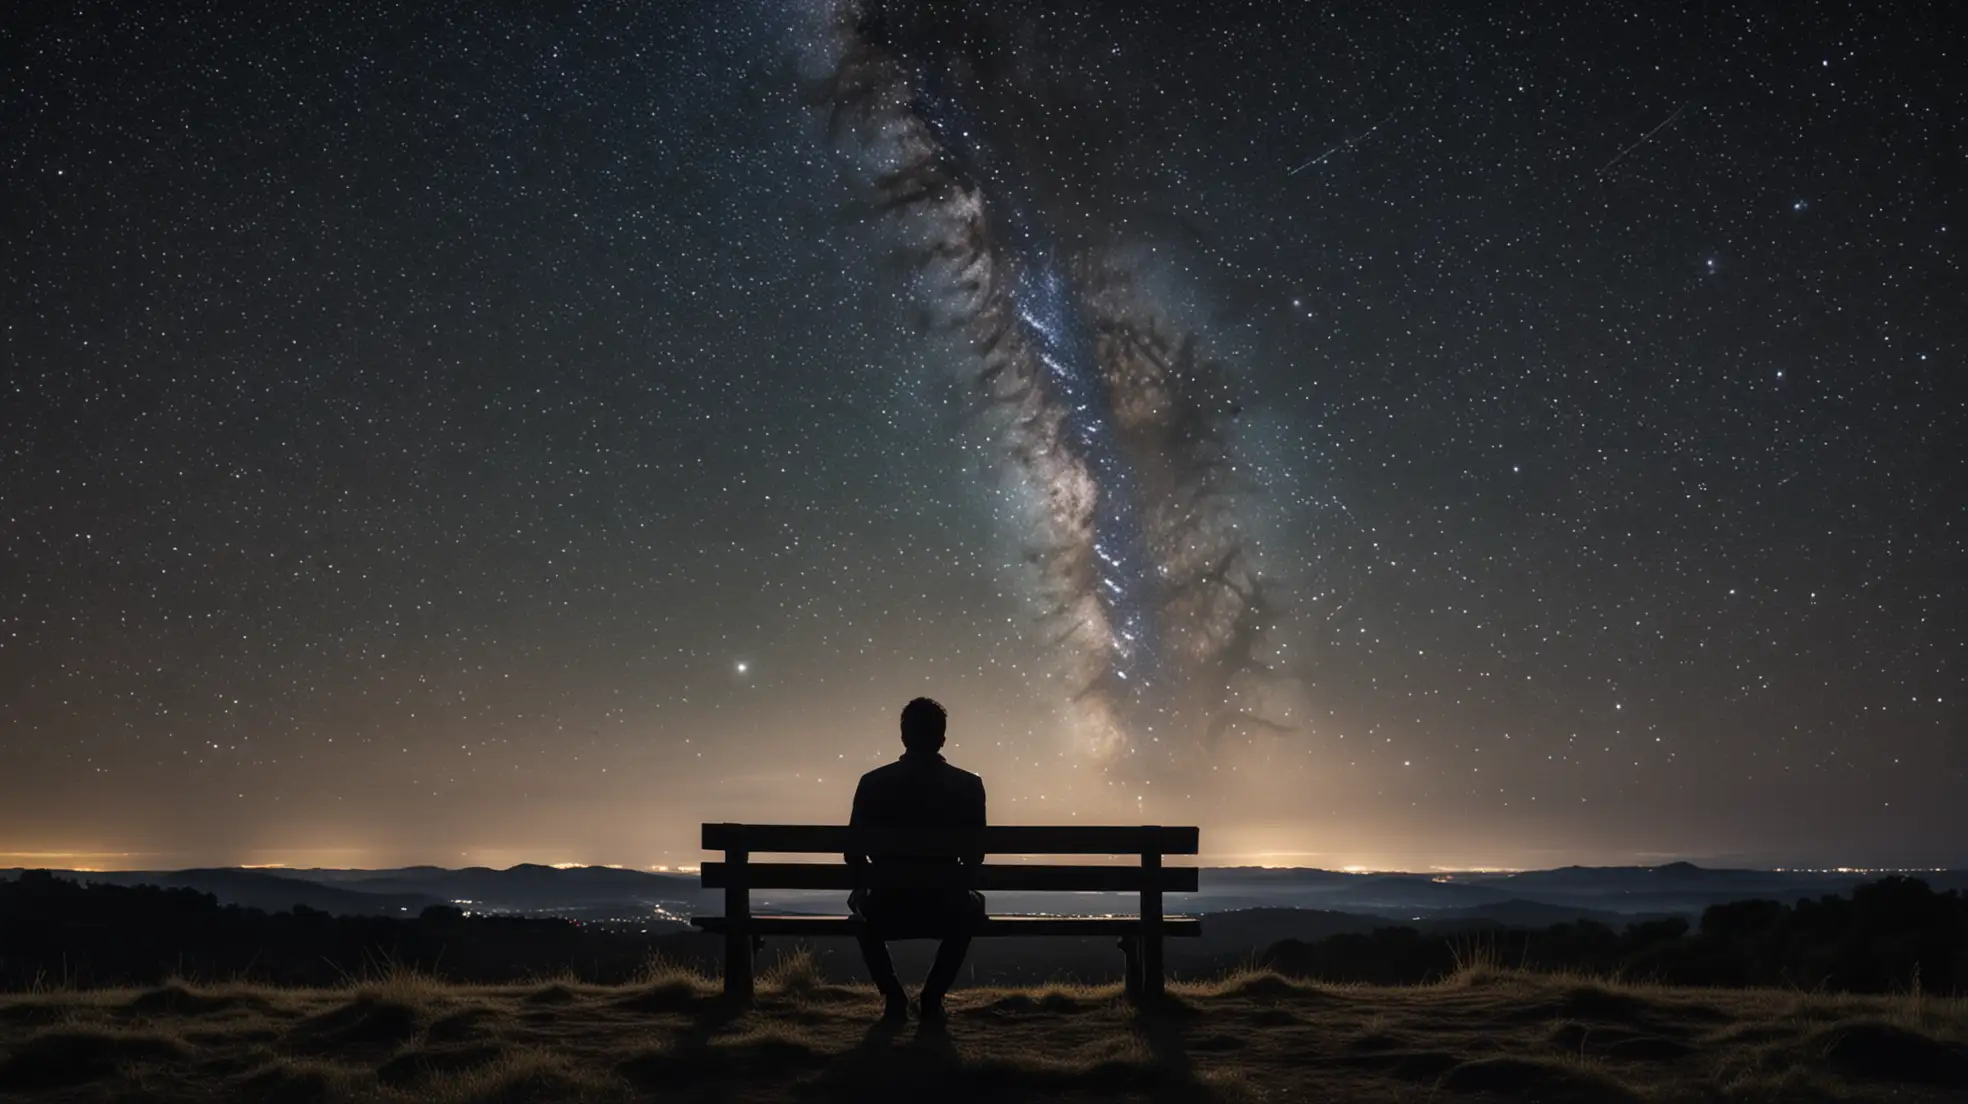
{"type": "Point", "coordinates": [1346, 145]}
{"type": "Point", "coordinates": [1644, 137]}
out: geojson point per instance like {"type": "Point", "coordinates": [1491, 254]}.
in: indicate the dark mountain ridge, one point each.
{"type": "Point", "coordinates": [1884, 936]}
{"type": "Point", "coordinates": [663, 900]}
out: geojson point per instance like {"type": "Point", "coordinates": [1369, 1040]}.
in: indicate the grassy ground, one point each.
{"type": "Point", "coordinates": [1485, 1034]}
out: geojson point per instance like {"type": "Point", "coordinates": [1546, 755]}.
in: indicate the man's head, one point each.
{"type": "Point", "coordinates": [923, 721]}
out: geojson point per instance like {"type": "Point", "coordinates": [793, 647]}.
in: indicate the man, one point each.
{"type": "Point", "coordinates": [919, 789]}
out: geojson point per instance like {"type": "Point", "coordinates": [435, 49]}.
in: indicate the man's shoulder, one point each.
{"type": "Point", "coordinates": [901, 769]}
{"type": "Point", "coordinates": [881, 773]}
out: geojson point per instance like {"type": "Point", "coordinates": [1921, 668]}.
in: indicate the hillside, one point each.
{"type": "Point", "coordinates": [1886, 937]}
{"type": "Point", "coordinates": [663, 901]}
{"type": "Point", "coordinates": [1482, 1035]}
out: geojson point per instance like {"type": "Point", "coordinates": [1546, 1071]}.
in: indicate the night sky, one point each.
{"type": "Point", "coordinates": [484, 433]}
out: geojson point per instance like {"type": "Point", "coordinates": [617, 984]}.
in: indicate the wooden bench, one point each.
{"type": "Point", "coordinates": [1140, 936]}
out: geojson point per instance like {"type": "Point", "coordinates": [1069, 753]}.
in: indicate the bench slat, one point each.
{"type": "Point", "coordinates": [1064, 879]}
{"type": "Point", "coordinates": [1176, 926]}
{"type": "Point", "coordinates": [1004, 839]}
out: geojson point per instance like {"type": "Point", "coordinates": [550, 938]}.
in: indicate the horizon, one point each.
{"type": "Point", "coordinates": [45, 861]}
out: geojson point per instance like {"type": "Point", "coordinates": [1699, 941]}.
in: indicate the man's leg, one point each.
{"type": "Point", "coordinates": [874, 951]}
{"type": "Point", "coordinates": [959, 924]}
{"type": "Point", "coordinates": [943, 972]}
{"type": "Point", "coordinates": [881, 970]}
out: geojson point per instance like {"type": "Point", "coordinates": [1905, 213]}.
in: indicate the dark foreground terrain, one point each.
{"type": "Point", "coordinates": [1483, 1034]}
{"type": "Point", "coordinates": [1886, 937]}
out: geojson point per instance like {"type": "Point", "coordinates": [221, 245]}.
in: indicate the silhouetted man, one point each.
{"type": "Point", "coordinates": [919, 789]}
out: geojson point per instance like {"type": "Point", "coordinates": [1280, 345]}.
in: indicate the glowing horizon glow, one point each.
{"type": "Point", "coordinates": [1262, 860]}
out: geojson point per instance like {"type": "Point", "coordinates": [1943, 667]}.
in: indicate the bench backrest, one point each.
{"type": "Point", "coordinates": [1149, 842]}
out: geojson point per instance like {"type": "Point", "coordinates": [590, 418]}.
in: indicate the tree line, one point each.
{"type": "Point", "coordinates": [1888, 936]}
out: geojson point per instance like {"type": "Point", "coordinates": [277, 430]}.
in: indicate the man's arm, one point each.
{"type": "Point", "coordinates": [857, 818]}
{"type": "Point", "coordinates": [974, 817]}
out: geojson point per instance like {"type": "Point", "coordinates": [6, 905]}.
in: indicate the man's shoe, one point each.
{"type": "Point", "coordinates": [932, 1010]}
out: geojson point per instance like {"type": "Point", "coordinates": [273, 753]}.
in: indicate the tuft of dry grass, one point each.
{"type": "Point", "coordinates": [300, 1080]}
{"type": "Point", "coordinates": [402, 985]}
{"type": "Point", "coordinates": [660, 969]}
{"type": "Point", "coordinates": [1478, 961]}
{"type": "Point", "coordinates": [74, 1055]}
{"type": "Point", "coordinates": [794, 973]}
{"type": "Point", "coordinates": [521, 1076]}
{"type": "Point", "coordinates": [181, 999]}
{"type": "Point", "coordinates": [1552, 1079]}
{"type": "Point", "coordinates": [770, 1043]}
{"type": "Point", "coordinates": [363, 1024]}
{"type": "Point", "coordinates": [1263, 985]}
{"type": "Point", "coordinates": [1880, 1047]}
{"type": "Point", "coordinates": [465, 1023]}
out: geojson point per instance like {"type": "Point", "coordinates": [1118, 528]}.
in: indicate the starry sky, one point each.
{"type": "Point", "coordinates": [484, 433]}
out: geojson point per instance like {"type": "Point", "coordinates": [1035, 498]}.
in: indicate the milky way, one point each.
{"type": "Point", "coordinates": [1120, 430]}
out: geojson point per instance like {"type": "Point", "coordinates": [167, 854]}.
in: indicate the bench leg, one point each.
{"type": "Point", "coordinates": [1131, 977]}
{"type": "Point", "coordinates": [739, 945]}
{"type": "Point", "coordinates": [739, 949]}
{"type": "Point", "coordinates": [1151, 928]}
